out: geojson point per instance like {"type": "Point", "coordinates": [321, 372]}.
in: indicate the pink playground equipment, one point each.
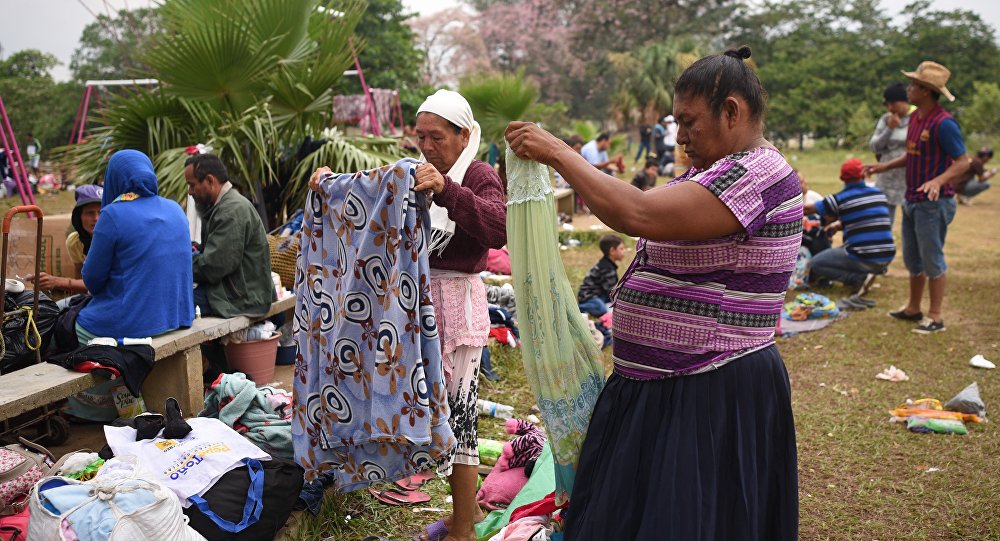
{"type": "Point", "coordinates": [9, 145]}
{"type": "Point", "coordinates": [371, 110]}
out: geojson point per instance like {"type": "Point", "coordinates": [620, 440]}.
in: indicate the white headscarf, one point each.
{"type": "Point", "coordinates": [451, 106]}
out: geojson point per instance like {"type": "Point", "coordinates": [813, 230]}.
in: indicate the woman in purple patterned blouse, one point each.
{"type": "Point", "coordinates": [692, 437]}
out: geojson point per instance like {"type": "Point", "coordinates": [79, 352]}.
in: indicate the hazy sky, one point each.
{"type": "Point", "coordinates": [54, 26]}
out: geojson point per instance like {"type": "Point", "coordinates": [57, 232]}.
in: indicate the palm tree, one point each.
{"type": "Point", "coordinates": [498, 99]}
{"type": "Point", "coordinates": [646, 78]}
{"type": "Point", "coordinates": [254, 79]}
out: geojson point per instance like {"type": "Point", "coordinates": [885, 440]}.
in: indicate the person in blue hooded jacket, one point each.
{"type": "Point", "coordinates": [139, 266]}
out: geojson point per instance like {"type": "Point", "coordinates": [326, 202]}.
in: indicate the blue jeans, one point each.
{"type": "Point", "coordinates": [644, 145]}
{"type": "Point", "coordinates": [201, 301]}
{"type": "Point", "coordinates": [975, 187]}
{"type": "Point", "coordinates": [925, 226]}
{"type": "Point", "coordinates": [837, 264]}
{"type": "Point", "coordinates": [596, 306]}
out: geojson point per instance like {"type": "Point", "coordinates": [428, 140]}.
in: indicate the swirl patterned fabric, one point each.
{"type": "Point", "coordinates": [370, 397]}
{"type": "Point", "coordinates": [560, 359]}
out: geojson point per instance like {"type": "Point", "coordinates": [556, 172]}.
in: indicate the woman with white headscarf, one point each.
{"type": "Point", "coordinates": [468, 217]}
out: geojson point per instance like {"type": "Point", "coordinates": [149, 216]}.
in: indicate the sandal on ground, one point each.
{"type": "Point", "coordinates": [433, 532]}
{"type": "Point", "coordinates": [416, 480]}
{"type": "Point", "coordinates": [395, 496]}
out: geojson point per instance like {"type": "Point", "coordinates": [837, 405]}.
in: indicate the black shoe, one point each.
{"type": "Point", "coordinates": [928, 326]}
{"type": "Point", "coordinates": [901, 314]}
{"type": "Point", "coordinates": [866, 284]}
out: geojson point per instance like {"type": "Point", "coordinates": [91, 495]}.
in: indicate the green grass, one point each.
{"type": "Point", "coordinates": [861, 477]}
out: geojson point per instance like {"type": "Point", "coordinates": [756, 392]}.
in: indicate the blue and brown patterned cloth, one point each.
{"type": "Point", "coordinates": [370, 397]}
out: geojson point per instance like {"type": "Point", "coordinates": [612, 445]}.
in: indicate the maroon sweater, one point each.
{"type": "Point", "coordinates": [479, 209]}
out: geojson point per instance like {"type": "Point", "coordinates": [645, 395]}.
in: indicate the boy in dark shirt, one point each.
{"type": "Point", "coordinates": [646, 178]}
{"type": "Point", "coordinates": [595, 290]}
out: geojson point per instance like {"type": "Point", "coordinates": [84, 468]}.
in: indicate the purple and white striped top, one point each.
{"type": "Point", "coordinates": [685, 307]}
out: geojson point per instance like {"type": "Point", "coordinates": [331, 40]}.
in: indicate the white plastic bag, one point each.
{"type": "Point", "coordinates": [120, 507]}
{"type": "Point", "coordinates": [190, 465]}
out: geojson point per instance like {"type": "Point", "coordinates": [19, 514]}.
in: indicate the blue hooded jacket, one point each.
{"type": "Point", "coordinates": [139, 266]}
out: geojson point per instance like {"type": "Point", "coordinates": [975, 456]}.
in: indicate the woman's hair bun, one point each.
{"type": "Point", "coordinates": [742, 53]}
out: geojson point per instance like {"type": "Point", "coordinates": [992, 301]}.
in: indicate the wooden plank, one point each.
{"type": "Point", "coordinates": [211, 328]}
{"type": "Point", "coordinates": [564, 200]}
{"type": "Point", "coordinates": [37, 385]}
{"type": "Point", "coordinates": [180, 376]}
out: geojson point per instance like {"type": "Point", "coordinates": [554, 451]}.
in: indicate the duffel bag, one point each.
{"type": "Point", "coordinates": [21, 466]}
{"type": "Point", "coordinates": [249, 503]}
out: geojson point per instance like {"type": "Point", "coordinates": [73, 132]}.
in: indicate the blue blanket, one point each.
{"type": "Point", "coordinates": [370, 397]}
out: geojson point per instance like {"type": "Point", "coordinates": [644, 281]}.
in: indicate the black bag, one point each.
{"type": "Point", "coordinates": [18, 354]}
{"type": "Point", "coordinates": [65, 328]}
{"type": "Point", "coordinates": [249, 503]}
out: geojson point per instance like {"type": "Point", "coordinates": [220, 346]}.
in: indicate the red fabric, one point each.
{"type": "Point", "coordinates": [498, 261]}
{"type": "Point", "coordinates": [15, 527]}
{"type": "Point", "coordinates": [90, 366]}
{"type": "Point", "coordinates": [544, 506]}
{"type": "Point", "coordinates": [504, 336]}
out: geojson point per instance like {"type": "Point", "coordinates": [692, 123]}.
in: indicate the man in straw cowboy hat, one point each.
{"type": "Point", "coordinates": [935, 159]}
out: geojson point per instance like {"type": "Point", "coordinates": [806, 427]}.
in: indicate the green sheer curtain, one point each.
{"type": "Point", "coordinates": [560, 359]}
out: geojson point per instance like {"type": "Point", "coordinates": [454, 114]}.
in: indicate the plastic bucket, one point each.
{"type": "Point", "coordinates": [255, 359]}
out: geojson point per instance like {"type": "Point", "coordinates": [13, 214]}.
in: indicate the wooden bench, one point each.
{"type": "Point", "coordinates": [177, 372]}
{"type": "Point", "coordinates": [565, 200]}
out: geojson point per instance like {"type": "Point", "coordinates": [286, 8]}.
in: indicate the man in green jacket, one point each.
{"type": "Point", "coordinates": [233, 267]}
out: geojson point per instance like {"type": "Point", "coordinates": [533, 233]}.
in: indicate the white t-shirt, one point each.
{"type": "Point", "coordinates": [592, 154]}
{"type": "Point", "coordinates": [670, 139]}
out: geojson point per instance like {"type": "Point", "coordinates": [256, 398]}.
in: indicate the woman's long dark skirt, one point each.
{"type": "Point", "coordinates": [709, 457]}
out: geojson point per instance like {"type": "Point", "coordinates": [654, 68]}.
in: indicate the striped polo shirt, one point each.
{"type": "Point", "coordinates": [931, 144]}
{"type": "Point", "coordinates": [684, 307]}
{"type": "Point", "coordinates": [864, 212]}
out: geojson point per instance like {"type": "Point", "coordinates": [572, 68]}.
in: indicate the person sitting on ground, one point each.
{"type": "Point", "coordinates": [137, 270]}
{"type": "Point", "coordinates": [596, 153]}
{"type": "Point", "coordinates": [863, 214]}
{"type": "Point", "coordinates": [84, 219]}
{"type": "Point", "coordinates": [595, 291]}
{"type": "Point", "coordinates": [233, 266]}
{"type": "Point", "coordinates": [976, 180]}
{"type": "Point", "coordinates": [646, 178]}
{"type": "Point", "coordinates": [815, 236]}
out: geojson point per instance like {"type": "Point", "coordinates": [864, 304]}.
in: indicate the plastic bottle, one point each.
{"type": "Point", "coordinates": [147, 341]}
{"type": "Point", "coordinates": [493, 409]}
{"type": "Point", "coordinates": [197, 312]}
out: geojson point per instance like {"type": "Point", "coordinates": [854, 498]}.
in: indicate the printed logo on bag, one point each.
{"type": "Point", "coordinates": [196, 457]}
{"type": "Point", "coordinates": [165, 445]}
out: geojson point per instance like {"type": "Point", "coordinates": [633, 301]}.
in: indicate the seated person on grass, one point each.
{"type": "Point", "coordinates": [595, 291]}
{"type": "Point", "coordinates": [84, 219]}
{"type": "Point", "coordinates": [863, 214]}
{"type": "Point", "coordinates": [646, 179]}
{"type": "Point", "coordinates": [233, 266]}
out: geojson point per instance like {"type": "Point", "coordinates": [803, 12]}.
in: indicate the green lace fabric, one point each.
{"type": "Point", "coordinates": [560, 359]}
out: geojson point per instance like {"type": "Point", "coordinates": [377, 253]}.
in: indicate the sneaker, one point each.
{"type": "Point", "coordinates": [964, 200]}
{"type": "Point", "coordinates": [901, 314]}
{"type": "Point", "coordinates": [866, 284]}
{"type": "Point", "coordinates": [928, 326]}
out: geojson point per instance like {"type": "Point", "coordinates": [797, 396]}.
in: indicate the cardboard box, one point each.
{"type": "Point", "coordinates": [21, 246]}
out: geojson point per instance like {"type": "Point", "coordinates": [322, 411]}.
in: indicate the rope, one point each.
{"type": "Point", "coordinates": [30, 328]}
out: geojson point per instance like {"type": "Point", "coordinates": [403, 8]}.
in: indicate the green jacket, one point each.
{"type": "Point", "coordinates": [235, 262]}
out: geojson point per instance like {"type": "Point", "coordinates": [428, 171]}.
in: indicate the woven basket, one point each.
{"type": "Point", "coordinates": [284, 251]}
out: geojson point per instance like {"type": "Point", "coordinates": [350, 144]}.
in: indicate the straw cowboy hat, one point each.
{"type": "Point", "coordinates": [933, 75]}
